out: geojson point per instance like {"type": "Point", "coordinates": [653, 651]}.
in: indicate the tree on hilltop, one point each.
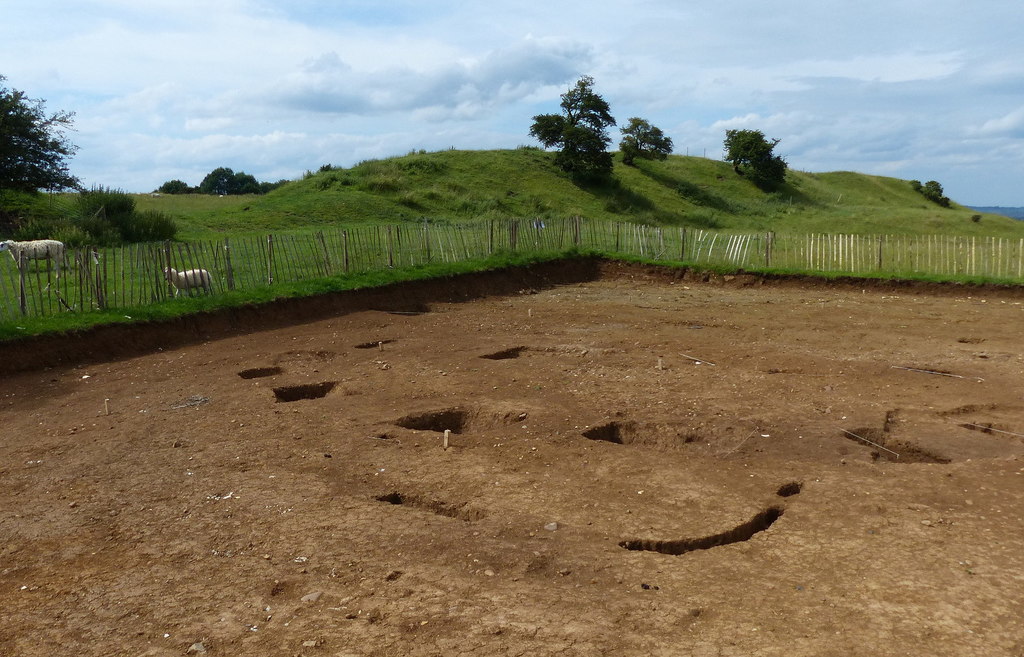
{"type": "Point", "coordinates": [580, 132]}
{"type": "Point", "coordinates": [752, 155]}
{"type": "Point", "coordinates": [224, 181]}
{"type": "Point", "coordinates": [175, 187]}
{"type": "Point", "coordinates": [643, 140]}
{"type": "Point", "coordinates": [931, 190]}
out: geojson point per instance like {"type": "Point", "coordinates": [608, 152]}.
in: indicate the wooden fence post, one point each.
{"type": "Point", "coordinates": [101, 301]}
{"type": "Point", "coordinates": [881, 240]}
{"type": "Point", "coordinates": [768, 237]}
{"type": "Point", "coordinates": [227, 264]}
{"type": "Point", "coordinates": [22, 296]}
{"type": "Point", "coordinates": [344, 241]}
{"type": "Point", "coordinates": [426, 237]}
{"type": "Point", "coordinates": [391, 249]}
{"type": "Point", "coordinates": [327, 254]}
{"type": "Point", "coordinates": [270, 259]}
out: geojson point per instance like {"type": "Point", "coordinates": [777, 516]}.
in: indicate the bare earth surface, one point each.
{"type": "Point", "coordinates": [637, 465]}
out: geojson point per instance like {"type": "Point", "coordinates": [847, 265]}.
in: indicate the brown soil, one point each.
{"type": "Point", "coordinates": [640, 462]}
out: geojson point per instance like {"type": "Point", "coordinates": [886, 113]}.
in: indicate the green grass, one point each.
{"type": "Point", "coordinates": [469, 186]}
{"type": "Point", "coordinates": [472, 187]}
{"type": "Point", "coordinates": [181, 306]}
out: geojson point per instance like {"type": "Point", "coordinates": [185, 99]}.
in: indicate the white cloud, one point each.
{"type": "Point", "coordinates": [457, 90]}
{"type": "Point", "coordinates": [1008, 125]}
{"type": "Point", "coordinates": [930, 90]}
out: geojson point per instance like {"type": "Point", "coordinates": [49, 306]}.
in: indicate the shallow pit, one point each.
{"type": "Point", "coordinates": [260, 372]}
{"type": "Point", "coordinates": [305, 391]}
{"type": "Point", "coordinates": [883, 448]}
{"type": "Point", "coordinates": [457, 511]}
{"type": "Point", "coordinates": [505, 354]}
{"type": "Point", "coordinates": [744, 532]}
{"type": "Point", "coordinates": [373, 344]}
{"type": "Point", "coordinates": [452, 419]}
{"type": "Point", "coordinates": [790, 489]}
{"type": "Point", "coordinates": [620, 433]}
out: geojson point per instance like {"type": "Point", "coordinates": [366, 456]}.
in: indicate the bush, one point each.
{"type": "Point", "coordinates": [149, 226]}
{"type": "Point", "coordinates": [109, 217]}
{"type": "Point", "coordinates": [37, 228]}
{"type": "Point", "coordinates": [72, 236]}
{"type": "Point", "coordinates": [17, 208]}
{"type": "Point", "coordinates": [932, 191]}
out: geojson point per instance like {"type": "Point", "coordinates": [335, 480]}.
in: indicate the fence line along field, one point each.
{"type": "Point", "coordinates": [134, 275]}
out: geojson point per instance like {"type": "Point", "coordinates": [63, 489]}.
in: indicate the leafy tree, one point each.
{"type": "Point", "coordinates": [174, 187]}
{"type": "Point", "coordinates": [33, 147]}
{"type": "Point", "coordinates": [752, 155]}
{"type": "Point", "coordinates": [244, 183]}
{"type": "Point", "coordinates": [643, 140]}
{"type": "Point", "coordinates": [224, 181]}
{"type": "Point", "coordinates": [932, 191]}
{"type": "Point", "coordinates": [580, 132]}
{"type": "Point", "coordinates": [266, 187]}
{"type": "Point", "coordinates": [218, 181]}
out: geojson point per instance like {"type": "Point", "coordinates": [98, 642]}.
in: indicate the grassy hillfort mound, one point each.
{"type": "Point", "coordinates": [466, 186]}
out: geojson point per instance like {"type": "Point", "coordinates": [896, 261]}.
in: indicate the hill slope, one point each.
{"type": "Point", "coordinates": [465, 186]}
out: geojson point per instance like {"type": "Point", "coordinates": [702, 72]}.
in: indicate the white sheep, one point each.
{"type": "Point", "coordinates": [189, 279]}
{"type": "Point", "coordinates": [36, 250]}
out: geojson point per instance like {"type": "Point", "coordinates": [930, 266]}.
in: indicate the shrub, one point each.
{"type": "Point", "coordinates": [72, 236]}
{"type": "Point", "coordinates": [36, 228]}
{"type": "Point", "coordinates": [149, 226]}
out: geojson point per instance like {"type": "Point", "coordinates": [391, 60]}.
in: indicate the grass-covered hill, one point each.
{"type": "Point", "coordinates": [468, 186]}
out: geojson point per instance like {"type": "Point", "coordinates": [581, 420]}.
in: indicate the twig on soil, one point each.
{"type": "Point", "coordinates": [955, 376]}
{"type": "Point", "coordinates": [697, 360]}
{"type": "Point", "coordinates": [740, 444]}
{"type": "Point", "coordinates": [985, 429]}
{"type": "Point", "coordinates": [850, 433]}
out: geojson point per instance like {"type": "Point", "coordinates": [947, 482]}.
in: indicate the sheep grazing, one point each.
{"type": "Point", "coordinates": [36, 250]}
{"type": "Point", "coordinates": [189, 279]}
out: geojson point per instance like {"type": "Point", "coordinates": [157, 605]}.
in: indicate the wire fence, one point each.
{"type": "Point", "coordinates": [134, 275]}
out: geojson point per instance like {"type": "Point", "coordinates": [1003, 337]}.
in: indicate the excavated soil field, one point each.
{"type": "Point", "coordinates": [640, 462]}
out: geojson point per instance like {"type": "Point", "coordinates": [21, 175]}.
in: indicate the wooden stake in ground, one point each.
{"type": "Point", "coordinates": [447, 433]}
{"type": "Point", "coordinates": [106, 407]}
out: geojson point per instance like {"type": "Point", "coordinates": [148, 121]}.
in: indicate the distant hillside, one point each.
{"type": "Point", "coordinates": [1013, 213]}
{"type": "Point", "coordinates": [467, 186]}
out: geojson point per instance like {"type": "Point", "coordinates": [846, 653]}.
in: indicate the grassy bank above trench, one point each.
{"type": "Point", "coordinates": [184, 306]}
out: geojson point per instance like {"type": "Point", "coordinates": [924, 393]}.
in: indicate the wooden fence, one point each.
{"type": "Point", "coordinates": [133, 275]}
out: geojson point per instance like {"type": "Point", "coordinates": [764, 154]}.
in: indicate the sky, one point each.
{"type": "Point", "coordinates": [164, 90]}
